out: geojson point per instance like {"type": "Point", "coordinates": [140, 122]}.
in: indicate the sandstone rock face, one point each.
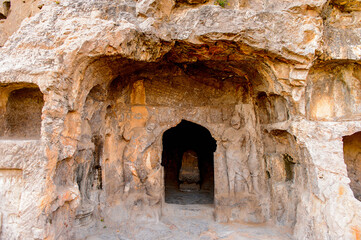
{"type": "Point", "coordinates": [12, 13]}
{"type": "Point", "coordinates": [22, 174]}
{"type": "Point", "coordinates": [11, 187]}
{"type": "Point", "coordinates": [90, 90]}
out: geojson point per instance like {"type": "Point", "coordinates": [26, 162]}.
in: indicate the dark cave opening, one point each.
{"type": "Point", "coordinates": [352, 157]}
{"type": "Point", "coordinates": [188, 162]}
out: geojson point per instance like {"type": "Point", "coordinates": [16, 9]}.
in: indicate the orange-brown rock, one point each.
{"type": "Point", "coordinates": [100, 99]}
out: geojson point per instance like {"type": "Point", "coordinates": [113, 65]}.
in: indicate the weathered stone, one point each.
{"type": "Point", "coordinates": [4, 8]}
{"type": "Point", "coordinates": [100, 99]}
{"type": "Point", "coordinates": [11, 184]}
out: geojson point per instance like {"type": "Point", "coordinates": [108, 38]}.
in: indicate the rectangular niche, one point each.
{"type": "Point", "coordinates": [21, 112]}
{"type": "Point", "coordinates": [11, 187]}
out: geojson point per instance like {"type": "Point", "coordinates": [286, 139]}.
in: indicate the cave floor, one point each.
{"type": "Point", "coordinates": [188, 222]}
{"type": "Point", "coordinates": [175, 196]}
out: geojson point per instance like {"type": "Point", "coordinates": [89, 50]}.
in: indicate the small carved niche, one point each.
{"type": "Point", "coordinates": [272, 108]}
{"type": "Point", "coordinates": [98, 143]}
{"type": "Point", "coordinates": [5, 10]}
{"type": "Point", "coordinates": [23, 113]}
{"type": "Point", "coordinates": [21, 110]}
{"type": "Point", "coordinates": [289, 167]}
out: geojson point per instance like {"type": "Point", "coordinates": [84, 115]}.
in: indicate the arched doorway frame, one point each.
{"type": "Point", "coordinates": [218, 156]}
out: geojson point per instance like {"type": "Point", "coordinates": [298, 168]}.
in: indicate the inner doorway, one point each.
{"type": "Point", "coordinates": [188, 163]}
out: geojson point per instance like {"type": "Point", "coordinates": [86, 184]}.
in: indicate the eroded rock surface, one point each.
{"type": "Point", "coordinates": [100, 99]}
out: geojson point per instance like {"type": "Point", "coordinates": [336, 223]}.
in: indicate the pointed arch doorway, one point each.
{"type": "Point", "coordinates": [188, 164]}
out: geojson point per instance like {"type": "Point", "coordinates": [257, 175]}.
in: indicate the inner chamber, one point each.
{"type": "Point", "coordinates": [188, 163]}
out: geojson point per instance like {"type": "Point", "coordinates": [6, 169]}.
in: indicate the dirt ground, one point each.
{"type": "Point", "coordinates": [183, 222]}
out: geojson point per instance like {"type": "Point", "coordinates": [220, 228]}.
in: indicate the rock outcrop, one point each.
{"type": "Point", "coordinates": [91, 91]}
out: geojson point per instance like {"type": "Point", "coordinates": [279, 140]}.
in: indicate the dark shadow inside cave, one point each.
{"type": "Point", "coordinates": [352, 156]}
{"type": "Point", "coordinates": [188, 163]}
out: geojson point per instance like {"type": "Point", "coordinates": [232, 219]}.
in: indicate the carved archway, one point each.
{"type": "Point", "coordinates": [189, 164]}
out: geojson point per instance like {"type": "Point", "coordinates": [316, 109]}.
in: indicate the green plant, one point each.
{"type": "Point", "coordinates": [222, 3]}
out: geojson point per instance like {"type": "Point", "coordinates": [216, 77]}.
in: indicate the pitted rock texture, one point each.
{"type": "Point", "coordinates": [91, 92]}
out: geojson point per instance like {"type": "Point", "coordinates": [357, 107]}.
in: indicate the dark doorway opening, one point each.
{"type": "Point", "coordinates": [188, 163]}
{"type": "Point", "coordinates": [352, 156]}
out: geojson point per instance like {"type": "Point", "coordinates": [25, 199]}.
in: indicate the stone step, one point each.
{"type": "Point", "coordinates": [204, 211]}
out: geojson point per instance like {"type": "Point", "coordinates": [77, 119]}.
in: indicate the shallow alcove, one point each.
{"type": "Point", "coordinates": [331, 94]}
{"type": "Point", "coordinates": [6, 8]}
{"type": "Point", "coordinates": [352, 156]}
{"type": "Point", "coordinates": [22, 116]}
{"type": "Point", "coordinates": [272, 108]}
{"type": "Point", "coordinates": [285, 174]}
{"type": "Point", "coordinates": [186, 184]}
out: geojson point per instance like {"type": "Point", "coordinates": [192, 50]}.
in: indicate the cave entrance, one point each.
{"type": "Point", "coordinates": [352, 156]}
{"type": "Point", "coordinates": [188, 163]}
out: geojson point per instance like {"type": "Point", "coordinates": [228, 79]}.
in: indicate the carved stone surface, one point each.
{"type": "Point", "coordinates": [22, 174]}
{"type": "Point", "coordinates": [11, 185]}
{"type": "Point", "coordinates": [275, 82]}
{"type": "Point", "coordinates": [237, 143]}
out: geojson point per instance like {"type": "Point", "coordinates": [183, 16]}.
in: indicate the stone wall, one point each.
{"type": "Point", "coordinates": [22, 174]}
{"type": "Point", "coordinates": [274, 82]}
